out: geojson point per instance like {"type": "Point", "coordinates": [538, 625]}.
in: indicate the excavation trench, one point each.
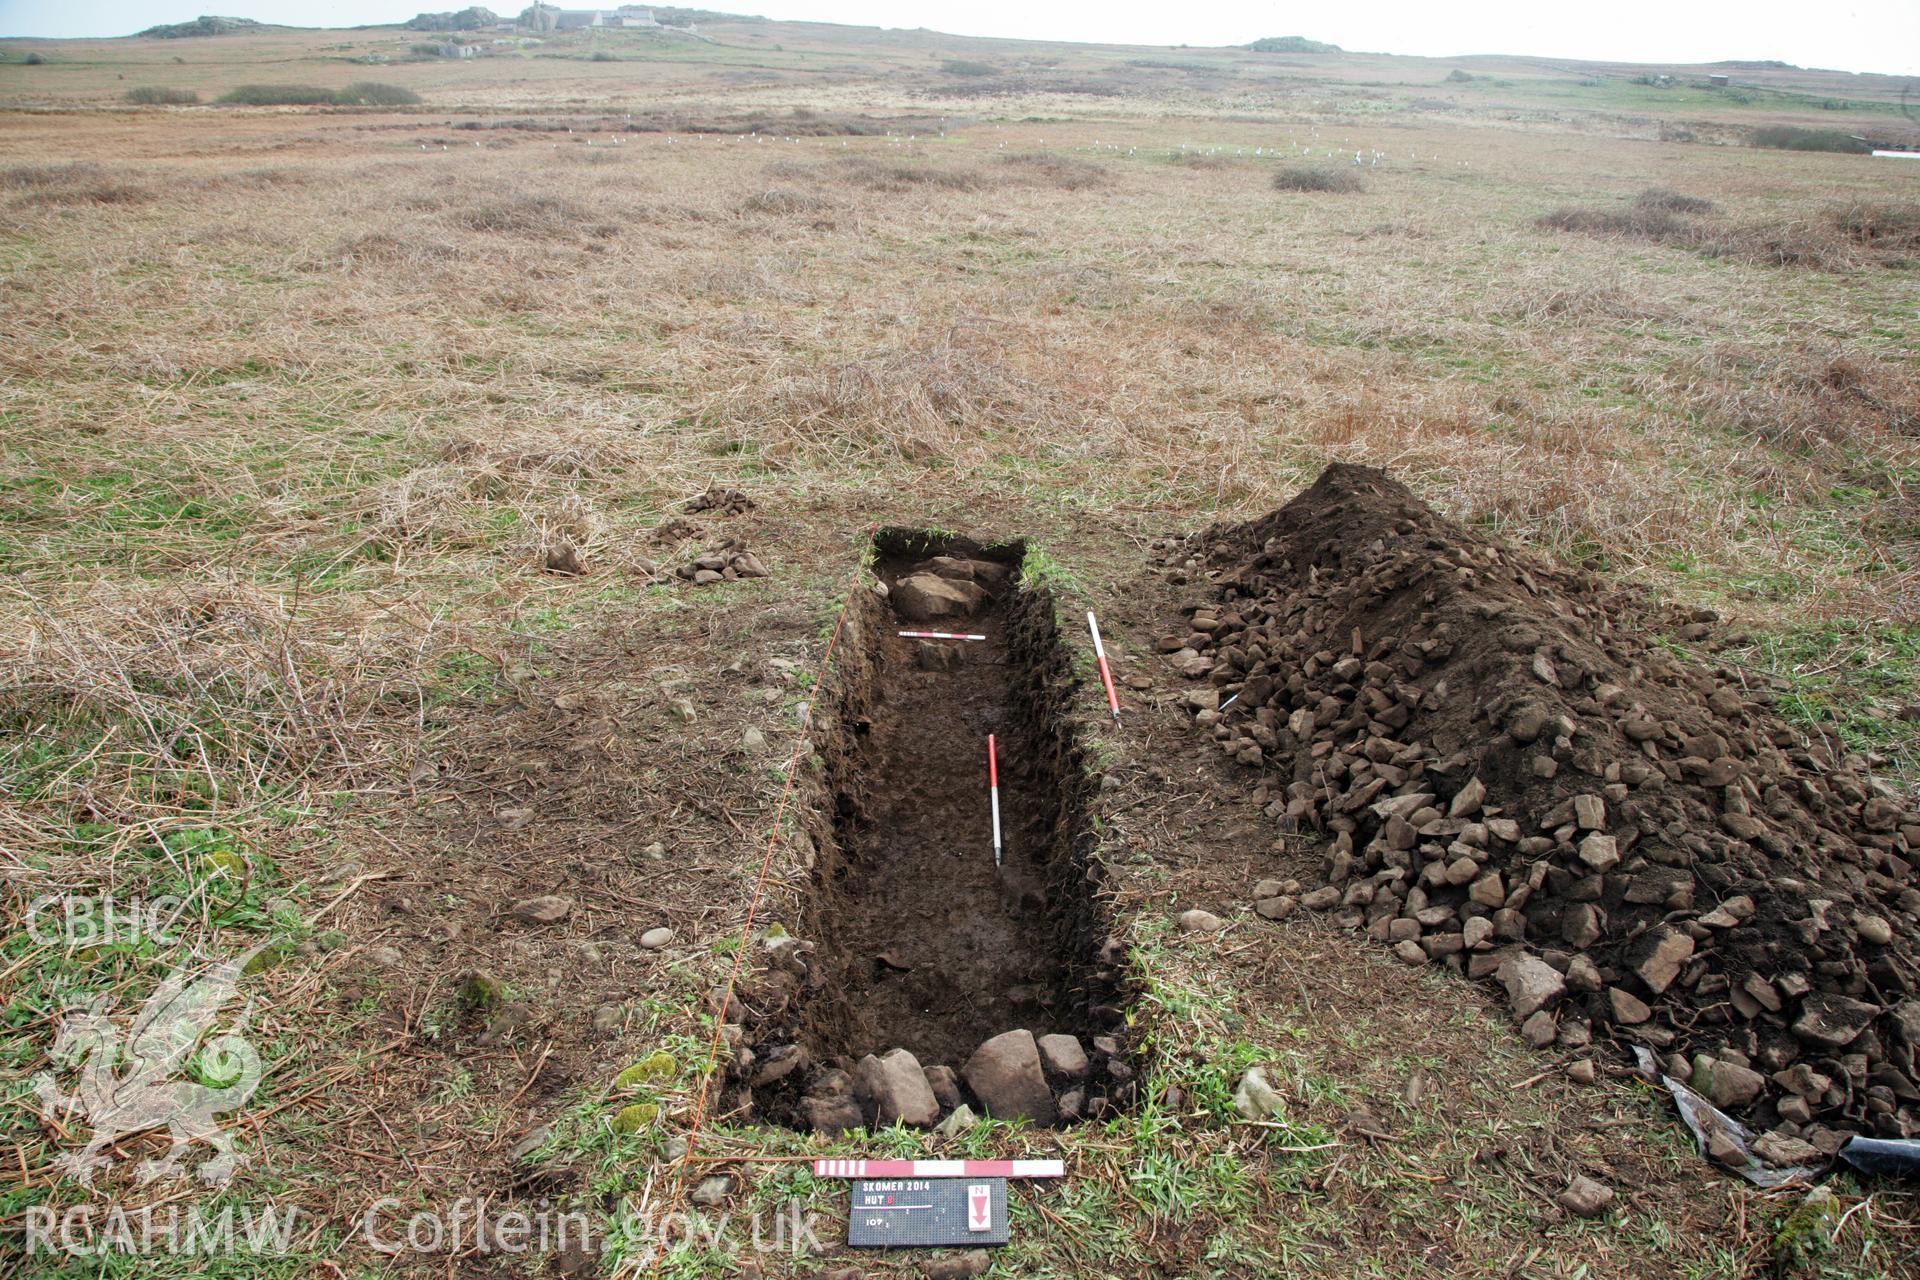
{"type": "Point", "coordinates": [907, 935]}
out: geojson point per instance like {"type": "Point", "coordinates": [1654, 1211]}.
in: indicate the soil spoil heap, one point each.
{"type": "Point", "coordinates": [1520, 783]}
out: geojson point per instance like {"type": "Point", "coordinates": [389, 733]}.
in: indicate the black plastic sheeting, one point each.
{"type": "Point", "coordinates": [1875, 1157]}
{"type": "Point", "coordinates": [1884, 1157]}
{"type": "Point", "coordinates": [1708, 1122]}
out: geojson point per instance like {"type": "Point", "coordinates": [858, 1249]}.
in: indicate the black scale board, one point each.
{"type": "Point", "coordinates": [897, 1213]}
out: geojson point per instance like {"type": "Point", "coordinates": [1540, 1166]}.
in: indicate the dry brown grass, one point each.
{"type": "Point", "coordinates": [370, 248]}
{"type": "Point", "coordinates": [1582, 302]}
{"type": "Point", "coordinates": [1048, 168]}
{"type": "Point", "coordinates": [1204, 160]}
{"type": "Point", "coordinates": [1646, 224]}
{"type": "Point", "coordinates": [526, 215]}
{"type": "Point", "coordinates": [156, 96]}
{"type": "Point", "coordinates": [281, 452]}
{"type": "Point", "coordinates": [261, 178]}
{"type": "Point", "coordinates": [1787, 242]}
{"type": "Point", "coordinates": [116, 193]}
{"type": "Point", "coordinates": [786, 203]}
{"type": "Point", "coordinates": [1667, 200]}
{"type": "Point", "coordinates": [214, 705]}
{"type": "Point", "coordinates": [1041, 169]}
{"type": "Point", "coordinates": [939, 404]}
{"type": "Point", "coordinates": [69, 185]}
{"type": "Point", "coordinates": [1821, 399]}
{"type": "Point", "coordinates": [1318, 179]}
{"type": "Point", "coordinates": [1887, 224]}
{"type": "Point", "coordinates": [898, 176]}
{"type": "Point", "coordinates": [40, 177]}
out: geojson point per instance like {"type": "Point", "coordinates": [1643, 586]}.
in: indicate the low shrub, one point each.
{"type": "Point", "coordinates": [279, 95]}
{"type": "Point", "coordinates": [524, 215]}
{"type": "Point", "coordinates": [362, 93]}
{"type": "Point", "coordinates": [1666, 200]}
{"type": "Point", "coordinates": [1300, 177]}
{"type": "Point", "coordinates": [967, 67]}
{"type": "Point", "coordinates": [1786, 137]}
{"type": "Point", "coordinates": [1882, 225]}
{"type": "Point", "coordinates": [372, 93]}
{"type": "Point", "coordinates": [1051, 169]}
{"type": "Point", "coordinates": [1643, 222]}
{"type": "Point", "coordinates": [1784, 243]}
{"type": "Point", "coordinates": [149, 95]}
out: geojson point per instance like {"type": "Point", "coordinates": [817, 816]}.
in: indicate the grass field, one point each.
{"type": "Point", "coordinates": [301, 403]}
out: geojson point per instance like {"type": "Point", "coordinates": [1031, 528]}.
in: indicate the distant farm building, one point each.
{"type": "Point", "coordinates": [1716, 82]}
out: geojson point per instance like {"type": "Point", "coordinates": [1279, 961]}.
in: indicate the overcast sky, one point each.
{"type": "Point", "coordinates": [1854, 35]}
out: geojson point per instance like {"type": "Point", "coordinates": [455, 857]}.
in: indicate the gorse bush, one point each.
{"type": "Point", "coordinates": [154, 96]}
{"type": "Point", "coordinates": [365, 93]}
{"type": "Point", "coordinates": [279, 95]}
{"type": "Point", "coordinates": [371, 93]}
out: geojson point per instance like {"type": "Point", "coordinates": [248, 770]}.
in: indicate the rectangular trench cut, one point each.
{"type": "Point", "coordinates": [909, 937]}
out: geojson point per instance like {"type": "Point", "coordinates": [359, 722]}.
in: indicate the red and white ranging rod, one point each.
{"type": "Point", "coordinates": [939, 1168]}
{"type": "Point", "coordinates": [1106, 672]}
{"type": "Point", "coordinates": [993, 790]}
{"type": "Point", "coordinates": [938, 635]}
